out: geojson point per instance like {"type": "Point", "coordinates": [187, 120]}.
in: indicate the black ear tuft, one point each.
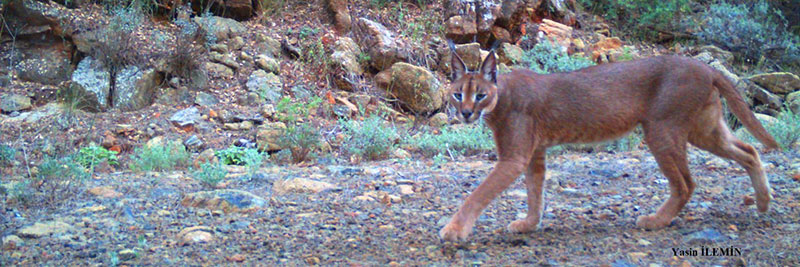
{"type": "Point", "coordinates": [457, 64]}
{"type": "Point", "coordinates": [489, 67]}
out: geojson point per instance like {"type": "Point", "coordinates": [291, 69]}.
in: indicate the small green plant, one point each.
{"type": "Point", "coordinates": [465, 140]}
{"type": "Point", "coordinates": [273, 7]}
{"type": "Point", "coordinates": [289, 112]}
{"type": "Point", "coordinates": [21, 192]}
{"type": "Point", "coordinates": [628, 143]}
{"type": "Point", "coordinates": [301, 139]}
{"type": "Point", "coordinates": [7, 153]}
{"type": "Point", "coordinates": [249, 157]}
{"type": "Point", "coordinates": [546, 57]}
{"type": "Point", "coordinates": [159, 157]}
{"type": "Point", "coordinates": [57, 179]}
{"type": "Point", "coordinates": [232, 155]}
{"type": "Point", "coordinates": [626, 55]}
{"type": "Point", "coordinates": [253, 159]}
{"type": "Point", "coordinates": [210, 174]}
{"type": "Point", "coordinates": [785, 129]}
{"type": "Point", "coordinates": [92, 155]}
{"type": "Point", "coordinates": [370, 139]}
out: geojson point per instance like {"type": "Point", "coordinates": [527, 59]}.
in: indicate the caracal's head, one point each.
{"type": "Point", "coordinates": [473, 93]}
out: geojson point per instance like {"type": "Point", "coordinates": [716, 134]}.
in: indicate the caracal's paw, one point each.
{"type": "Point", "coordinates": [522, 226]}
{"type": "Point", "coordinates": [454, 232]}
{"type": "Point", "coordinates": [652, 222]}
{"type": "Point", "coordinates": [763, 203]}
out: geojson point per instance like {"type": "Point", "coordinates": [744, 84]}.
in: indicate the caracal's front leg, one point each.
{"type": "Point", "coordinates": [534, 181]}
{"type": "Point", "coordinates": [504, 173]}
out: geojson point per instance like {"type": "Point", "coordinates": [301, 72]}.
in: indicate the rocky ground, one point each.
{"type": "Point", "coordinates": [389, 212]}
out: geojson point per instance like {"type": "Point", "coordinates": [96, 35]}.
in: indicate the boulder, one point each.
{"type": "Point", "coordinates": [415, 86]}
{"type": "Point", "coordinates": [46, 70]}
{"type": "Point", "coordinates": [777, 82]}
{"type": "Point", "coordinates": [341, 16]}
{"type": "Point", "coordinates": [793, 102]}
{"type": "Point", "coordinates": [268, 63]}
{"type": "Point", "coordinates": [384, 47]}
{"type": "Point", "coordinates": [268, 85]}
{"type": "Point", "coordinates": [267, 136]}
{"type": "Point", "coordinates": [461, 29]}
{"type": "Point", "coordinates": [510, 54]}
{"type": "Point", "coordinates": [134, 89]}
{"type": "Point", "coordinates": [226, 200]}
{"type": "Point", "coordinates": [221, 28]}
{"type": "Point", "coordinates": [345, 59]}
{"type": "Point", "coordinates": [93, 83]}
{"type": "Point", "coordinates": [14, 102]}
{"type": "Point", "coordinates": [219, 70]}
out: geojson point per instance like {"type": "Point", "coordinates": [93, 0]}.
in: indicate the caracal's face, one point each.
{"type": "Point", "coordinates": [473, 93]}
{"type": "Point", "coordinates": [472, 96]}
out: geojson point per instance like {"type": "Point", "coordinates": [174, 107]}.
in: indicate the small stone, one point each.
{"type": "Point", "coordinates": [301, 185]}
{"type": "Point", "coordinates": [387, 227]}
{"type": "Point", "coordinates": [14, 102]}
{"type": "Point", "coordinates": [644, 242]}
{"type": "Point", "coordinates": [406, 189]}
{"type": "Point", "coordinates": [749, 201]}
{"type": "Point", "coordinates": [195, 235]}
{"type": "Point", "coordinates": [38, 230]}
{"type": "Point", "coordinates": [105, 192]}
{"type": "Point", "coordinates": [636, 256]}
{"type": "Point", "coordinates": [185, 117]}
{"type": "Point", "coordinates": [205, 99]}
{"type": "Point", "coordinates": [707, 235]}
{"type": "Point", "coordinates": [438, 120]}
{"type": "Point", "coordinates": [126, 254]}
{"type": "Point", "coordinates": [236, 258]}
{"type": "Point", "coordinates": [226, 200]}
{"type": "Point", "coordinates": [12, 242]}
{"type": "Point", "coordinates": [363, 198]}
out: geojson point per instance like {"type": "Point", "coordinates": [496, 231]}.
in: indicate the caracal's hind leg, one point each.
{"type": "Point", "coordinates": [721, 142]}
{"type": "Point", "coordinates": [534, 181]}
{"type": "Point", "coordinates": [668, 146]}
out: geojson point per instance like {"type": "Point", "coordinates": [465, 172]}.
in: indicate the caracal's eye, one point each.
{"type": "Point", "coordinates": [480, 97]}
{"type": "Point", "coordinates": [457, 96]}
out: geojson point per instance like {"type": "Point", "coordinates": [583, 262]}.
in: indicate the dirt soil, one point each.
{"type": "Point", "coordinates": [592, 203]}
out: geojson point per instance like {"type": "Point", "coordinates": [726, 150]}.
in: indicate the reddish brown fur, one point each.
{"type": "Point", "coordinates": [675, 99]}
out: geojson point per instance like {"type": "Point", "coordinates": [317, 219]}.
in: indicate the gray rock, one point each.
{"type": "Point", "coordinates": [205, 99]}
{"type": "Point", "coordinates": [777, 82]}
{"type": "Point", "coordinates": [219, 70]}
{"type": "Point", "coordinates": [228, 200]}
{"type": "Point", "coordinates": [345, 58]}
{"type": "Point", "coordinates": [267, 85]}
{"type": "Point", "coordinates": [51, 70]}
{"type": "Point", "coordinates": [38, 230]}
{"type": "Point", "coordinates": [384, 47]}
{"type": "Point", "coordinates": [268, 45]}
{"type": "Point", "coordinates": [14, 102]}
{"type": "Point", "coordinates": [126, 254]}
{"type": "Point", "coordinates": [188, 116]}
{"type": "Point", "coordinates": [221, 28]}
{"type": "Point", "coordinates": [193, 143]}
{"type": "Point", "coordinates": [93, 83]}
{"type": "Point", "coordinates": [793, 102]}
{"type": "Point", "coordinates": [300, 92]}
{"type": "Point", "coordinates": [717, 53]}
{"type": "Point", "coordinates": [134, 89]}
{"type": "Point", "coordinates": [268, 64]}
{"type": "Point", "coordinates": [510, 54]}
{"type": "Point", "coordinates": [771, 100]}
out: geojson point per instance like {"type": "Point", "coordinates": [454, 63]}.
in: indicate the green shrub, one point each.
{"type": "Point", "coordinates": [786, 129]}
{"type": "Point", "coordinates": [301, 139]}
{"type": "Point", "coordinates": [159, 157]}
{"type": "Point", "coordinates": [289, 112]}
{"type": "Point", "coordinates": [232, 155]}
{"type": "Point", "coordinates": [7, 153]}
{"type": "Point", "coordinates": [369, 139]}
{"type": "Point", "coordinates": [547, 58]}
{"type": "Point", "coordinates": [642, 17]}
{"type": "Point", "coordinates": [90, 156]}
{"type": "Point", "coordinates": [57, 179]}
{"type": "Point", "coordinates": [467, 140]}
{"type": "Point", "coordinates": [253, 159]}
{"type": "Point", "coordinates": [249, 157]}
{"type": "Point", "coordinates": [750, 31]}
{"type": "Point", "coordinates": [210, 174]}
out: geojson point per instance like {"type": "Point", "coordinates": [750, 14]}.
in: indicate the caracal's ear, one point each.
{"type": "Point", "coordinates": [458, 66]}
{"type": "Point", "coordinates": [489, 67]}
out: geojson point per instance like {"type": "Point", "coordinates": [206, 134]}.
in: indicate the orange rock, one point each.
{"type": "Point", "coordinates": [105, 192]}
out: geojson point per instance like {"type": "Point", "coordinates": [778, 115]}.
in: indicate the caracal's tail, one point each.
{"type": "Point", "coordinates": [739, 108]}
